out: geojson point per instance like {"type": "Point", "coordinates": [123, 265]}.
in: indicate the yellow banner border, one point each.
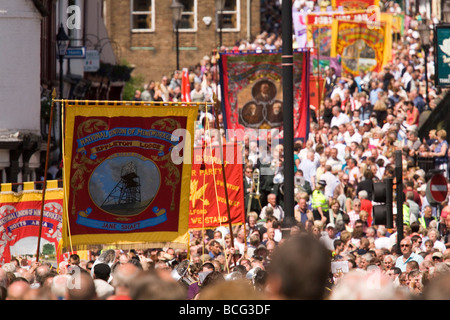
{"type": "Point", "coordinates": [29, 192]}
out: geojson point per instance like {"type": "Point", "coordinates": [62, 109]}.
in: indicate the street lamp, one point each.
{"type": "Point", "coordinates": [177, 9]}
{"type": "Point", "coordinates": [424, 32]}
{"type": "Point", "coordinates": [220, 4]}
{"type": "Point", "coordinates": [62, 43]}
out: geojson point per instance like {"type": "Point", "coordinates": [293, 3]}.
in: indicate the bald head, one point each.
{"type": "Point", "coordinates": [85, 290]}
{"type": "Point", "coordinates": [123, 275]}
{"type": "Point", "coordinates": [17, 290]}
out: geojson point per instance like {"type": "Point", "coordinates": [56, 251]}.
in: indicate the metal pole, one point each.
{"type": "Point", "coordinates": [177, 44]}
{"type": "Point", "coordinates": [44, 187]}
{"type": "Point", "coordinates": [288, 124]}
{"type": "Point", "coordinates": [425, 49]}
{"type": "Point", "coordinates": [389, 202]}
{"type": "Point", "coordinates": [318, 75]}
{"type": "Point", "coordinates": [220, 29]}
{"type": "Point", "coordinates": [61, 97]}
{"type": "Point", "coordinates": [399, 188]}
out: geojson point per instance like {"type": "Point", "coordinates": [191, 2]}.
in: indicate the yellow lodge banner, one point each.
{"type": "Point", "coordinates": [127, 172]}
{"type": "Point", "coordinates": [362, 46]}
{"type": "Point", "coordinates": [20, 214]}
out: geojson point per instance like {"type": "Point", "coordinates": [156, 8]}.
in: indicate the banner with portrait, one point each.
{"type": "Point", "coordinates": [20, 214]}
{"type": "Point", "coordinates": [208, 200]}
{"type": "Point", "coordinates": [360, 47]}
{"type": "Point", "coordinates": [126, 179]}
{"type": "Point", "coordinates": [252, 83]}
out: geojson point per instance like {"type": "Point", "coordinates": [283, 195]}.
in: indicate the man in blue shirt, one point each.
{"type": "Point", "coordinates": [407, 254]}
{"type": "Point", "coordinates": [376, 87]}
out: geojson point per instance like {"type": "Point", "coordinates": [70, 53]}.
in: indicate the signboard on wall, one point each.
{"type": "Point", "coordinates": [442, 56]}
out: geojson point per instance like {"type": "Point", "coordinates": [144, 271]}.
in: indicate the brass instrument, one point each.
{"type": "Point", "coordinates": [254, 193]}
{"type": "Point", "coordinates": [255, 182]}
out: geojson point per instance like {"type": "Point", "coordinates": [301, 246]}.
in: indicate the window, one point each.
{"type": "Point", "coordinates": [230, 16]}
{"type": "Point", "coordinates": [189, 16]}
{"type": "Point", "coordinates": [142, 15]}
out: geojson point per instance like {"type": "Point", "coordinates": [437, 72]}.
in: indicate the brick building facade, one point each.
{"type": "Point", "coordinates": [145, 32]}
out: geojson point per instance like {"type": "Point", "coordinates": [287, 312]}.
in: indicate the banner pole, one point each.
{"type": "Point", "coordinates": [44, 187]}
{"type": "Point", "coordinates": [217, 109]}
{"type": "Point", "coordinates": [216, 105]}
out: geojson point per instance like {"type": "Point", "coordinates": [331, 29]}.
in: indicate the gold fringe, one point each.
{"type": "Point", "coordinates": [128, 246]}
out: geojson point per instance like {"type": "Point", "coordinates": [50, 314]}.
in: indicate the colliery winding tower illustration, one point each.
{"type": "Point", "coordinates": [127, 191]}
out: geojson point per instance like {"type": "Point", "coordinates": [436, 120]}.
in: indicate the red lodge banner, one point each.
{"type": "Point", "coordinates": [207, 201]}
{"type": "Point", "coordinates": [20, 219]}
{"type": "Point", "coordinates": [121, 182]}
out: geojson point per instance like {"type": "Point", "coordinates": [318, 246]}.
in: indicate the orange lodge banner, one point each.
{"type": "Point", "coordinates": [207, 201]}
{"type": "Point", "coordinates": [123, 184]}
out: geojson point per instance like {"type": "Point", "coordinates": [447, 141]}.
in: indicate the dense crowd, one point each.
{"type": "Point", "coordinates": [334, 250]}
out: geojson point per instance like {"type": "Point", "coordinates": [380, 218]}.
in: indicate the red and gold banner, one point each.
{"type": "Point", "coordinates": [121, 182]}
{"type": "Point", "coordinates": [208, 202]}
{"type": "Point", "coordinates": [20, 215]}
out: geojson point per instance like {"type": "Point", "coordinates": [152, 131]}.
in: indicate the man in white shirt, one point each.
{"type": "Point", "coordinates": [353, 171]}
{"type": "Point", "coordinates": [331, 180]}
{"type": "Point", "coordinates": [338, 117]}
{"type": "Point", "coordinates": [382, 241]}
{"type": "Point", "coordinates": [407, 75]}
{"type": "Point", "coordinates": [388, 124]}
{"type": "Point", "coordinates": [335, 163]}
{"type": "Point", "coordinates": [329, 236]}
{"type": "Point", "coordinates": [351, 135]}
{"type": "Point", "coordinates": [309, 168]}
{"type": "Point", "coordinates": [339, 90]}
{"type": "Point", "coordinates": [278, 211]}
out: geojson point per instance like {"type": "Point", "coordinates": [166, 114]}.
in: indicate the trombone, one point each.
{"type": "Point", "coordinates": [255, 183]}
{"type": "Point", "coordinates": [255, 189]}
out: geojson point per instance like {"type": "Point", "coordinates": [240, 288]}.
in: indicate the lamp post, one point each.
{"type": "Point", "coordinates": [287, 62]}
{"type": "Point", "coordinates": [424, 32]}
{"type": "Point", "coordinates": [220, 4]}
{"type": "Point", "coordinates": [62, 43]}
{"type": "Point", "coordinates": [177, 9]}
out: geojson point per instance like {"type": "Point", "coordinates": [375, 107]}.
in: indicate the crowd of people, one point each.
{"type": "Point", "coordinates": [334, 249]}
